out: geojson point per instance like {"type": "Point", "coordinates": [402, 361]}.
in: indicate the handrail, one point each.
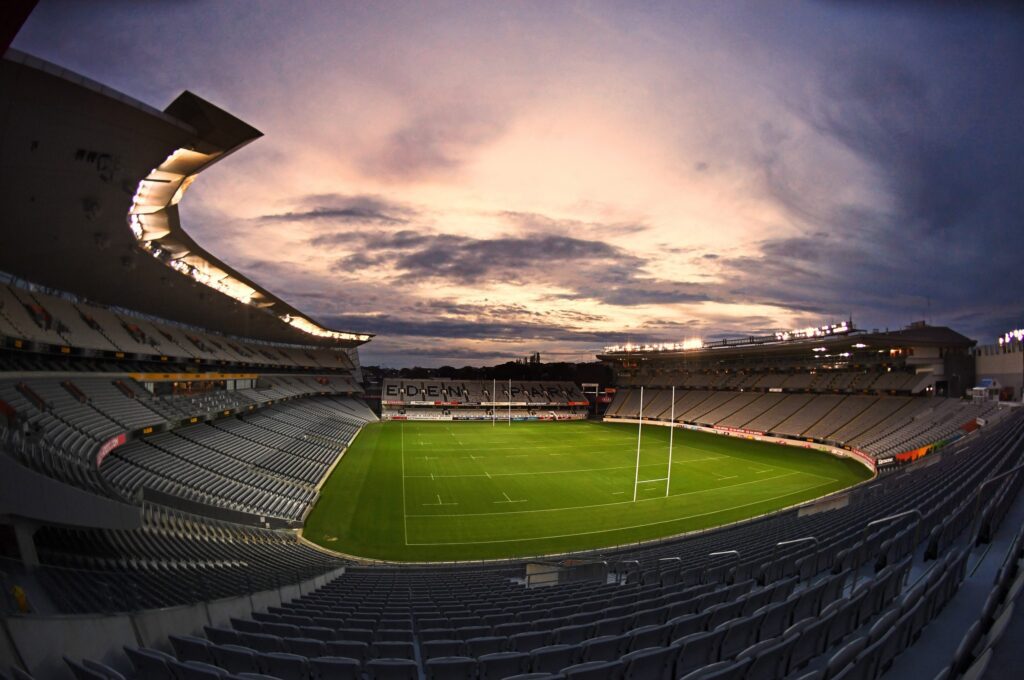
{"type": "Point", "coordinates": [884, 520]}
{"type": "Point", "coordinates": [794, 541]}
{"type": "Point", "coordinates": [976, 516]}
{"type": "Point", "coordinates": [725, 552]}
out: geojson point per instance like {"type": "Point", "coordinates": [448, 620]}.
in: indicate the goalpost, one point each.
{"type": "Point", "coordinates": [639, 435]}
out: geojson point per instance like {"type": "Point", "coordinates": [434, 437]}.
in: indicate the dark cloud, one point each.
{"type": "Point", "coordinates": [338, 208]}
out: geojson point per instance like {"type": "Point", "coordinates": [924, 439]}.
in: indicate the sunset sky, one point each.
{"type": "Point", "coordinates": [477, 181]}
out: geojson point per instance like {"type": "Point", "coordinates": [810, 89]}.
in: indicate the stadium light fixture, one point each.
{"type": "Point", "coordinates": [151, 225]}
{"type": "Point", "coordinates": [1016, 335]}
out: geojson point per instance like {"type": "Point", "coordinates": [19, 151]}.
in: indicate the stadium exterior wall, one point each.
{"type": "Point", "coordinates": [862, 458]}
{"type": "Point", "coordinates": [37, 643]}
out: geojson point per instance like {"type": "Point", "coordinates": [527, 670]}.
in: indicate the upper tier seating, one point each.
{"type": "Point", "coordinates": [57, 321]}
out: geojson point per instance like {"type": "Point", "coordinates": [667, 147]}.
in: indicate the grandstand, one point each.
{"type": "Point", "coordinates": [167, 427]}
{"type": "Point", "coordinates": [481, 400]}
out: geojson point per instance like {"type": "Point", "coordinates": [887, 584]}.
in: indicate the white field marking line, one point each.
{"type": "Point", "coordinates": [761, 472]}
{"type": "Point", "coordinates": [634, 526]}
{"type": "Point", "coordinates": [562, 472]}
{"type": "Point", "coordinates": [405, 515]}
{"type": "Point", "coordinates": [754, 462]}
{"type": "Point", "coordinates": [507, 500]}
{"type": "Point", "coordinates": [618, 493]}
{"type": "Point", "coordinates": [601, 505]}
{"type": "Point", "coordinates": [488, 474]}
{"type": "Point", "coordinates": [437, 503]}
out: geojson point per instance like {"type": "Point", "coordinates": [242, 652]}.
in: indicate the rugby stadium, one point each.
{"type": "Point", "coordinates": [197, 482]}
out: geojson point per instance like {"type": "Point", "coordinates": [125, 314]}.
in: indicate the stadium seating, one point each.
{"type": "Point", "coordinates": [877, 425]}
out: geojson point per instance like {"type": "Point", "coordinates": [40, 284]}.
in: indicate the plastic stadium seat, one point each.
{"type": "Point", "coordinates": [811, 642]}
{"type": "Point", "coordinates": [103, 669]}
{"type": "Point", "coordinates": [349, 648]}
{"type": "Point", "coordinates": [503, 664]}
{"type": "Point", "coordinates": [393, 669]}
{"type": "Point", "coordinates": [358, 634]}
{"type": "Point", "coordinates": [552, 658]}
{"type": "Point", "coordinates": [235, 659]}
{"type": "Point", "coordinates": [451, 668]}
{"type": "Point", "coordinates": [150, 664]}
{"type": "Point", "coordinates": [696, 651]}
{"type": "Point", "coordinates": [197, 670]}
{"type": "Point", "coordinates": [81, 672]}
{"type": "Point", "coordinates": [572, 634]}
{"type": "Point", "coordinates": [441, 648]}
{"type": "Point", "coordinates": [652, 635]}
{"type": "Point", "coordinates": [479, 646]}
{"type": "Point", "coordinates": [528, 641]}
{"type": "Point", "coordinates": [307, 647]}
{"type": "Point", "coordinates": [844, 657]}
{"type": "Point", "coordinates": [604, 648]}
{"type": "Point", "coordinates": [285, 666]}
{"type": "Point", "coordinates": [393, 635]}
{"type": "Point", "coordinates": [770, 658]}
{"type": "Point", "coordinates": [688, 624]}
{"type": "Point", "coordinates": [594, 670]}
{"type": "Point", "coordinates": [262, 642]}
{"type": "Point", "coordinates": [536, 676]}
{"type": "Point", "coordinates": [723, 670]}
{"type": "Point", "coordinates": [335, 668]}
{"type": "Point", "coordinates": [653, 663]}
{"type": "Point", "coordinates": [393, 650]}
{"type": "Point", "coordinates": [189, 648]}
{"type": "Point", "coordinates": [247, 625]}
{"type": "Point", "coordinates": [222, 636]}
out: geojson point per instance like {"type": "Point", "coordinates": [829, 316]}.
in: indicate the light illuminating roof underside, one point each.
{"type": "Point", "coordinates": [90, 180]}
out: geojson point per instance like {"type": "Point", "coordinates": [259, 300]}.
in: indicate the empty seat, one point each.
{"type": "Point", "coordinates": [441, 648]}
{"type": "Point", "coordinates": [150, 664]}
{"type": "Point", "coordinates": [393, 650]}
{"type": "Point", "coordinates": [335, 668]}
{"type": "Point", "coordinates": [235, 659]}
{"type": "Point", "coordinates": [451, 668]}
{"type": "Point", "coordinates": [197, 670]}
{"type": "Point", "coordinates": [284, 665]}
{"type": "Point", "coordinates": [189, 648]}
{"type": "Point", "coordinates": [503, 664]}
{"type": "Point", "coordinates": [654, 663]}
{"type": "Point", "coordinates": [392, 669]}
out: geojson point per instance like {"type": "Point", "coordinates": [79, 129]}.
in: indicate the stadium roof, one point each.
{"type": "Point", "coordinates": [90, 182]}
{"type": "Point", "coordinates": [914, 335]}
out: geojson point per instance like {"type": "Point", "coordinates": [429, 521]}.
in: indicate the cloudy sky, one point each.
{"type": "Point", "coordinates": [475, 181]}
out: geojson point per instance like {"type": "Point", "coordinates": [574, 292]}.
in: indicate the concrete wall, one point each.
{"type": "Point", "coordinates": [38, 643]}
{"type": "Point", "coordinates": [1005, 364]}
{"type": "Point", "coordinates": [30, 495]}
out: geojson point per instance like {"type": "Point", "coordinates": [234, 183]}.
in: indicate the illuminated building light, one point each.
{"type": "Point", "coordinates": [1012, 336]}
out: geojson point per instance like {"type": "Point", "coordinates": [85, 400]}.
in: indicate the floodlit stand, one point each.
{"type": "Point", "coordinates": [510, 402]}
{"type": "Point", "coordinates": [494, 403]}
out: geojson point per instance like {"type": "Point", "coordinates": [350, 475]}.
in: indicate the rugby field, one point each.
{"type": "Point", "coordinates": [430, 491]}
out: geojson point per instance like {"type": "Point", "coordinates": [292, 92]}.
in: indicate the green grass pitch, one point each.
{"type": "Point", "coordinates": [439, 491]}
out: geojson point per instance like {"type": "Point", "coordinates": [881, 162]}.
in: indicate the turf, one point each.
{"type": "Point", "coordinates": [439, 491]}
